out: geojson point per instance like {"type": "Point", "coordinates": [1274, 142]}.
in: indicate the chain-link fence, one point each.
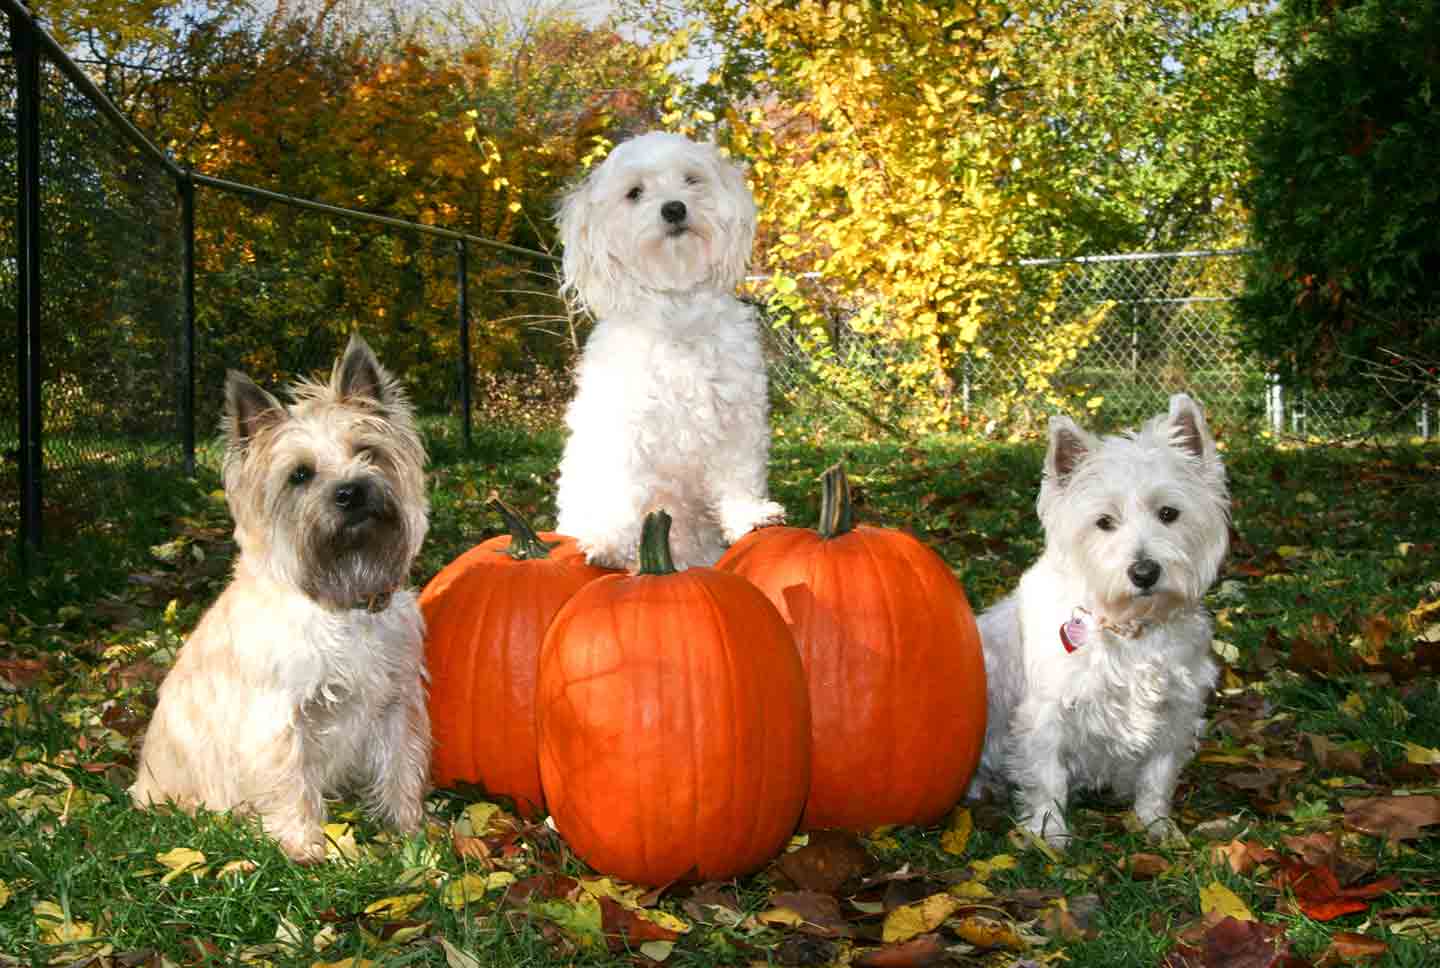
{"type": "Point", "coordinates": [1154, 324]}
{"type": "Point", "coordinates": [136, 284]}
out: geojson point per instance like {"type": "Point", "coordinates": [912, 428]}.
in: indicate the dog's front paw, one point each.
{"type": "Point", "coordinates": [739, 518]}
{"type": "Point", "coordinates": [1164, 832]}
{"type": "Point", "coordinates": [608, 554]}
{"type": "Point", "coordinates": [305, 849]}
{"type": "Point", "coordinates": [1048, 825]}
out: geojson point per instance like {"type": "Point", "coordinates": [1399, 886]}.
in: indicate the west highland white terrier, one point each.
{"type": "Point", "coordinates": [1099, 664]}
{"type": "Point", "coordinates": [671, 408]}
{"type": "Point", "coordinates": [306, 677]}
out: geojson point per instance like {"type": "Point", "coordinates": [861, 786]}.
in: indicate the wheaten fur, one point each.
{"type": "Point", "coordinates": [306, 677]}
{"type": "Point", "coordinates": [671, 408]}
{"type": "Point", "coordinates": [1124, 710]}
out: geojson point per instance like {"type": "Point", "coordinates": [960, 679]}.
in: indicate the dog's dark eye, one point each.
{"type": "Point", "coordinates": [301, 474]}
{"type": "Point", "coordinates": [1105, 523]}
{"type": "Point", "coordinates": [692, 179]}
{"type": "Point", "coordinates": [1168, 515]}
{"type": "Point", "coordinates": [634, 194]}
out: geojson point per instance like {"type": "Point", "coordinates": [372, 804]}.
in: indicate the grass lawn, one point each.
{"type": "Point", "coordinates": [1306, 809]}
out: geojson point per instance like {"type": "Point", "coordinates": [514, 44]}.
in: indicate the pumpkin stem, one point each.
{"type": "Point", "coordinates": [525, 544]}
{"type": "Point", "coordinates": [655, 545]}
{"type": "Point", "coordinates": [837, 514]}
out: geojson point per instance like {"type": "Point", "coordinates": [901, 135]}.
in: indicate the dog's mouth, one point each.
{"type": "Point", "coordinates": [675, 231]}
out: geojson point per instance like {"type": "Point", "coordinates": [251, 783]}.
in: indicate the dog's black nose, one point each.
{"type": "Point", "coordinates": [673, 212]}
{"type": "Point", "coordinates": [351, 496]}
{"type": "Point", "coordinates": [1144, 573]}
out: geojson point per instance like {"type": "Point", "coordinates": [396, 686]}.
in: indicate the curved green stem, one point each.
{"type": "Point", "coordinates": [525, 544]}
{"type": "Point", "coordinates": [655, 556]}
{"type": "Point", "coordinates": [837, 514]}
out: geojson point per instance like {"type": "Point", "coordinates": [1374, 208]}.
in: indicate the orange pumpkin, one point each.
{"type": "Point", "coordinates": [485, 618]}
{"type": "Point", "coordinates": [892, 654]}
{"type": "Point", "coordinates": [674, 722]}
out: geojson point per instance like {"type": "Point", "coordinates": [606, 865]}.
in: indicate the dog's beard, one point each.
{"type": "Point", "coordinates": [672, 258]}
{"type": "Point", "coordinates": [337, 559]}
{"type": "Point", "coordinates": [348, 562]}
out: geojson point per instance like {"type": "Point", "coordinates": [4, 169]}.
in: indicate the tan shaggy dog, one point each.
{"type": "Point", "coordinates": [306, 677]}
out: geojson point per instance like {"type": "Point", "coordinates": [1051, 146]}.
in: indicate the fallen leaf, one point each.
{"type": "Point", "coordinates": [1144, 867]}
{"type": "Point", "coordinates": [395, 908]}
{"type": "Point", "coordinates": [455, 958]}
{"type": "Point", "coordinates": [808, 911]}
{"type": "Point", "coordinates": [1218, 900]}
{"type": "Point", "coordinates": [988, 932]}
{"type": "Point", "coordinates": [657, 950]}
{"type": "Point", "coordinates": [235, 868]}
{"type": "Point", "coordinates": [1348, 948]}
{"type": "Point", "coordinates": [467, 889]}
{"type": "Point", "coordinates": [580, 920]}
{"type": "Point", "coordinates": [179, 861]}
{"type": "Point", "coordinates": [1423, 755]}
{"type": "Point", "coordinates": [957, 832]}
{"type": "Point", "coordinates": [1240, 943]}
{"type": "Point", "coordinates": [1242, 856]}
{"type": "Point", "coordinates": [1000, 862]}
{"type": "Point", "coordinates": [626, 927]}
{"type": "Point", "coordinates": [340, 842]}
{"type": "Point", "coordinates": [919, 952]}
{"type": "Point", "coordinates": [1395, 818]}
{"type": "Point", "coordinates": [1057, 922]}
{"type": "Point", "coordinates": [57, 927]}
{"type": "Point", "coordinates": [909, 920]}
{"type": "Point", "coordinates": [828, 861]}
{"type": "Point", "coordinates": [713, 903]}
{"type": "Point", "coordinates": [1320, 897]}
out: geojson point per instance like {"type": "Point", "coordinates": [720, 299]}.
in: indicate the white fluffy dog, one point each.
{"type": "Point", "coordinates": [1099, 664]}
{"type": "Point", "coordinates": [671, 407]}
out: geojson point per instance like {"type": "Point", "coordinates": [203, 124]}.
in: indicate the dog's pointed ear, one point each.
{"type": "Point", "coordinates": [1069, 445]}
{"type": "Point", "coordinates": [1188, 429]}
{"type": "Point", "coordinates": [358, 374]}
{"type": "Point", "coordinates": [248, 409]}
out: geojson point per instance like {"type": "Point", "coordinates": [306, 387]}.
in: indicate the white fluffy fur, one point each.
{"type": "Point", "coordinates": [1124, 710]}
{"type": "Point", "coordinates": [670, 408]}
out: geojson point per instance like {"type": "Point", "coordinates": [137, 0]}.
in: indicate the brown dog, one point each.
{"type": "Point", "coordinates": [306, 677]}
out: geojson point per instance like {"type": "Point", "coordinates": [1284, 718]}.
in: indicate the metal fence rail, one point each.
{"type": "Point", "coordinates": [119, 319]}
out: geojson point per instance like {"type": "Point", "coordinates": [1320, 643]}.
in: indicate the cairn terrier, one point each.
{"type": "Point", "coordinates": [306, 677]}
{"type": "Point", "coordinates": [1099, 665]}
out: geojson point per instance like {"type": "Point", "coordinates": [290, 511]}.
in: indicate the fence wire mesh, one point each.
{"type": "Point", "coordinates": [279, 283]}
{"type": "Point", "coordinates": [1160, 323]}
{"type": "Point", "coordinates": [110, 261]}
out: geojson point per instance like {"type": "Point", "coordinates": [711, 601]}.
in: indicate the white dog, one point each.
{"type": "Point", "coordinates": [1099, 665]}
{"type": "Point", "coordinates": [671, 407]}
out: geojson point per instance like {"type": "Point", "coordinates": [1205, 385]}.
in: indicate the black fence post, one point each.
{"type": "Point", "coordinates": [27, 303]}
{"type": "Point", "coordinates": [187, 333]}
{"type": "Point", "coordinates": [463, 299]}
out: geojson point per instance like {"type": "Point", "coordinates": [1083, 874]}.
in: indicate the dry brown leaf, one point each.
{"type": "Point", "coordinates": [1349, 948]}
{"type": "Point", "coordinates": [825, 864]}
{"type": "Point", "coordinates": [919, 952]}
{"type": "Point", "coordinates": [809, 912]}
{"type": "Point", "coordinates": [1144, 867]}
{"type": "Point", "coordinates": [1395, 818]}
{"type": "Point", "coordinates": [1242, 856]}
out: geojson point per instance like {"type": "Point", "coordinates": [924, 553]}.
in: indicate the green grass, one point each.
{"type": "Point", "coordinates": [1333, 548]}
